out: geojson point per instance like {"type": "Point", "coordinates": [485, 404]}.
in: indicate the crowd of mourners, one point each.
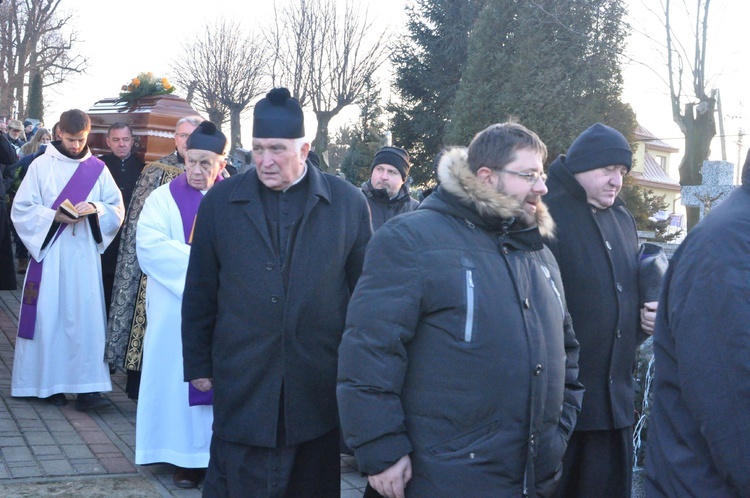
{"type": "Point", "coordinates": [478, 342]}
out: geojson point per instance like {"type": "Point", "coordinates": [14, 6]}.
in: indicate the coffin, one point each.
{"type": "Point", "coordinates": [152, 120]}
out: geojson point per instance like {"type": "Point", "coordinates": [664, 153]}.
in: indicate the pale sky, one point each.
{"type": "Point", "coordinates": [125, 38]}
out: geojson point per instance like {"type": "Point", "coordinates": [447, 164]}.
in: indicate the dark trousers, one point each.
{"type": "Point", "coordinates": [308, 470]}
{"type": "Point", "coordinates": [7, 268]}
{"type": "Point", "coordinates": [597, 464]}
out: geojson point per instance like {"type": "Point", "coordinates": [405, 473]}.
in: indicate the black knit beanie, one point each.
{"type": "Point", "coordinates": [598, 147]}
{"type": "Point", "coordinates": [394, 156]}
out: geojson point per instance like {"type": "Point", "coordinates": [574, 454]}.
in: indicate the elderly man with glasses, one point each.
{"type": "Point", "coordinates": [127, 313]}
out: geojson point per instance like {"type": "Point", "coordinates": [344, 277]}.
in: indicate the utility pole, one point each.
{"type": "Point", "coordinates": [721, 126]}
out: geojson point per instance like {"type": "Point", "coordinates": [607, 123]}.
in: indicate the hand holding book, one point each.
{"type": "Point", "coordinates": [73, 214]}
{"type": "Point", "coordinates": [70, 214]}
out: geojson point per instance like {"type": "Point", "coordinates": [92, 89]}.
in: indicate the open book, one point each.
{"type": "Point", "coordinates": [89, 211]}
{"type": "Point", "coordinates": [69, 209]}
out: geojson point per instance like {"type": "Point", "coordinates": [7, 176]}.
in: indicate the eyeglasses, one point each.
{"type": "Point", "coordinates": [531, 178]}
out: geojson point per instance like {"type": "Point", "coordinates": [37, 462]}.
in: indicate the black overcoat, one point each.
{"type": "Point", "coordinates": [597, 250]}
{"type": "Point", "coordinates": [242, 329]}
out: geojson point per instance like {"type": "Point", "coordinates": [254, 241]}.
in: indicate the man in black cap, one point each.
{"type": "Point", "coordinates": [171, 427]}
{"type": "Point", "coordinates": [276, 253]}
{"type": "Point", "coordinates": [596, 246]}
{"type": "Point", "coordinates": [28, 128]}
{"type": "Point", "coordinates": [126, 326]}
{"type": "Point", "coordinates": [386, 190]}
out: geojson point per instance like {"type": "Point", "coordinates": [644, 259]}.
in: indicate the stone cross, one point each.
{"type": "Point", "coordinates": [716, 186]}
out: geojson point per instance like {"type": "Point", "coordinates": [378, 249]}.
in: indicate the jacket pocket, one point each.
{"type": "Point", "coordinates": [551, 281]}
{"type": "Point", "coordinates": [462, 444]}
{"type": "Point", "coordinates": [469, 325]}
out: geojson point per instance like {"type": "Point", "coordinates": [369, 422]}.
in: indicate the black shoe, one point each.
{"type": "Point", "coordinates": [58, 399]}
{"type": "Point", "coordinates": [91, 401]}
{"type": "Point", "coordinates": [186, 478]}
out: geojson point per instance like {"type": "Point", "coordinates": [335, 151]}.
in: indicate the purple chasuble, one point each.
{"type": "Point", "coordinates": [188, 200]}
{"type": "Point", "coordinates": [76, 190]}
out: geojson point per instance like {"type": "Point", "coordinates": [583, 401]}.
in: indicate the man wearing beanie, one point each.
{"type": "Point", "coordinates": [596, 246]}
{"type": "Point", "coordinates": [276, 253]}
{"type": "Point", "coordinates": [173, 425]}
{"type": "Point", "coordinates": [126, 327]}
{"type": "Point", "coordinates": [386, 190]}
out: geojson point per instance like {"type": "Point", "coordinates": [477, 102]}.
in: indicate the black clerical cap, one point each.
{"type": "Point", "coordinates": [278, 115]}
{"type": "Point", "coordinates": [207, 137]}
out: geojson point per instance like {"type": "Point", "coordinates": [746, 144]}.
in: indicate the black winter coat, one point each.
{"type": "Point", "coordinates": [699, 429]}
{"type": "Point", "coordinates": [125, 173]}
{"type": "Point", "coordinates": [597, 250]}
{"type": "Point", "coordinates": [382, 207]}
{"type": "Point", "coordinates": [459, 349]}
{"type": "Point", "coordinates": [239, 326]}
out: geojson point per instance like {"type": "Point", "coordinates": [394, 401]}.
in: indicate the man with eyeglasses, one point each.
{"type": "Point", "coordinates": [596, 246]}
{"type": "Point", "coordinates": [457, 370]}
{"type": "Point", "coordinates": [126, 326]}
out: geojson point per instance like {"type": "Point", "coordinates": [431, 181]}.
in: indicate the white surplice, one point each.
{"type": "Point", "coordinates": [167, 429]}
{"type": "Point", "coordinates": [66, 354]}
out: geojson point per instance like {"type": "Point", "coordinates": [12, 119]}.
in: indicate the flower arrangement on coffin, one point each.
{"type": "Point", "coordinates": [143, 85]}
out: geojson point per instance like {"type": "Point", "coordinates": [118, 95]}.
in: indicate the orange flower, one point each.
{"type": "Point", "coordinates": [136, 82]}
{"type": "Point", "coordinates": [165, 83]}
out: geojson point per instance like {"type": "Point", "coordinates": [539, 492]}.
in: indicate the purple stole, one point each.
{"type": "Point", "coordinates": [188, 200]}
{"type": "Point", "coordinates": [77, 189]}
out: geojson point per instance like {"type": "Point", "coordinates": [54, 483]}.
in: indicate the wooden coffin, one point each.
{"type": "Point", "coordinates": [152, 120]}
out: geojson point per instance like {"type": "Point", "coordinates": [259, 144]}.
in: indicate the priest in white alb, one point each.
{"type": "Point", "coordinates": [61, 330]}
{"type": "Point", "coordinates": [173, 422]}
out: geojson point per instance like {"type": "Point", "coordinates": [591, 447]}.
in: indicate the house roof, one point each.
{"type": "Point", "coordinates": [650, 140]}
{"type": "Point", "coordinates": [654, 176]}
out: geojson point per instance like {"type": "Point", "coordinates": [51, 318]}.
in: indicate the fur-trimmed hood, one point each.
{"type": "Point", "coordinates": [457, 179]}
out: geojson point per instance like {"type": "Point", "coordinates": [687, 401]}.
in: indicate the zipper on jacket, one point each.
{"type": "Point", "coordinates": [469, 327]}
{"type": "Point", "coordinates": [554, 288]}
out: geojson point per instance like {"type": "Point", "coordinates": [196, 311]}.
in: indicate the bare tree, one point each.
{"type": "Point", "coordinates": [696, 116]}
{"type": "Point", "coordinates": [225, 69]}
{"type": "Point", "coordinates": [324, 54]}
{"type": "Point", "coordinates": [31, 43]}
{"type": "Point", "coordinates": [196, 72]}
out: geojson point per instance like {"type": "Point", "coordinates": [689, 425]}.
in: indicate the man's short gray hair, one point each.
{"type": "Point", "coordinates": [193, 120]}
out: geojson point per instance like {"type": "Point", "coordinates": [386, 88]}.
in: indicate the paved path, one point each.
{"type": "Point", "coordinates": [51, 451]}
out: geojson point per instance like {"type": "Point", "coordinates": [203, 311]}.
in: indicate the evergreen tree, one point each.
{"type": "Point", "coordinates": [643, 205]}
{"type": "Point", "coordinates": [552, 64]}
{"type": "Point", "coordinates": [36, 99]}
{"type": "Point", "coordinates": [429, 63]}
{"type": "Point", "coordinates": [367, 137]}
